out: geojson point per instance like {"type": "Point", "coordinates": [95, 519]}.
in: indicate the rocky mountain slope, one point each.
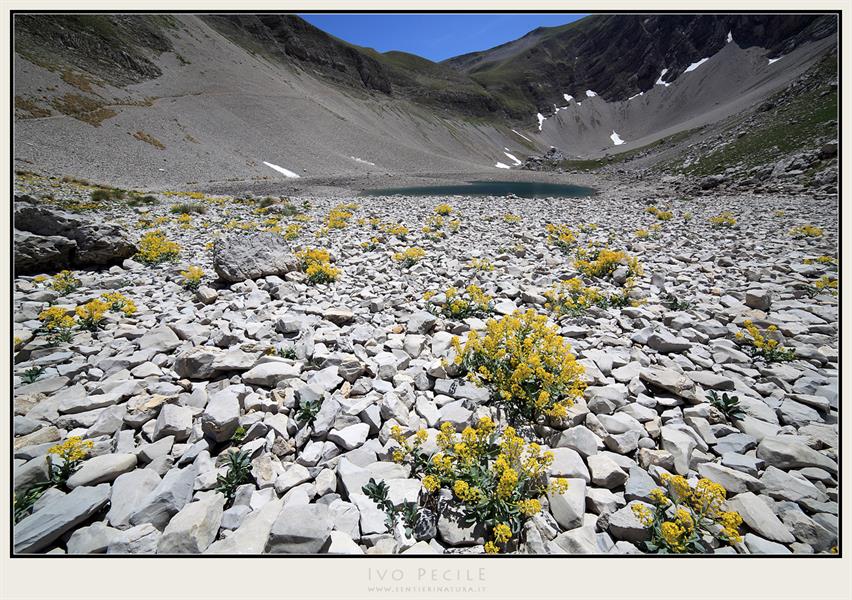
{"type": "Point", "coordinates": [169, 100]}
{"type": "Point", "coordinates": [619, 56]}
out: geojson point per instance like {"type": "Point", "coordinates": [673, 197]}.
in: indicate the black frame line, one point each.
{"type": "Point", "coordinates": [838, 14]}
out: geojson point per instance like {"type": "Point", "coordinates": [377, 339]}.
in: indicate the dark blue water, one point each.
{"type": "Point", "coordinates": [522, 189]}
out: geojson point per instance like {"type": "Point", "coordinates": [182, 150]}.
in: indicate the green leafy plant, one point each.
{"type": "Point", "coordinates": [407, 513]}
{"type": "Point", "coordinates": [32, 374]}
{"type": "Point", "coordinates": [188, 208]}
{"type": "Point", "coordinates": [102, 194]}
{"type": "Point", "coordinates": [675, 303]}
{"type": "Point", "coordinates": [308, 411]}
{"type": "Point", "coordinates": [287, 352]}
{"type": "Point", "coordinates": [727, 405]}
{"type": "Point", "coordinates": [377, 491]}
{"type": "Point", "coordinates": [25, 499]}
{"type": "Point", "coordinates": [239, 472]}
{"type": "Point", "coordinates": [239, 434]}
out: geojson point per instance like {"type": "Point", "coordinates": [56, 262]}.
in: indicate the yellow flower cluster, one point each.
{"type": "Point", "coordinates": [511, 219]}
{"type": "Point", "coordinates": [371, 244]}
{"type": "Point", "coordinates": [822, 260]}
{"type": "Point", "coordinates": [72, 450]}
{"type": "Point", "coordinates": [292, 231]}
{"type": "Point", "coordinates": [528, 367]}
{"type": "Point", "coordinates": [826, 283]}
{"type": "Point", "coordinates": [643, 514]}
{"type": "Point", "coordinates": [723, 219]}
{"type": "Point", "coordinates": [461, 304]}
{"type": "Point", "coordinates": [759, 344]}
{"type": "Point", "coordinates": [803, 231]}
{"type": "Point", "coordinates": [431, 483]}
{"type": "Point", "coordinates": [662, 215]}
{"type": "Point", "coordinates": [398, 231]}
{"type": "Point", "coordinates": [407, 447]}
{"type": "Point", "coordinates": [571, 297]}
{"type": "Point", "coordinates": [64, 282]}
{"type": "Point", "coordinates": [677, 533]}
{"type": "Point", "coordinates": [602, 263]}
{"type": "Point", "coordinates": [497, 477]}
{"type": "Point", "coordinates": [409, 256]}
{"type": "Point", "coordinates": [155, 247]}
{"type": "Point", "coordinates": [433, 227]}
{"type": "Point", "coordinates": [338, 217]}
{"type": "Point", "coordinates": [652, 232]}
{"type": "Point", "coordinates": [730, 522]}
{"type": "Point", "coordinates": [502, 533]}
{"type": "Point", "coordinates": [118, 302]}
{"type": "Point", "coordinates": [192, 277]}
{"type": "Point", "coordinates": [683, 512]}
{"type": "Point", "coordinates": [481, 264]}
{"type": "Point", "coordinates": [316, 264]}
{"type": "Point", "coordinates": [310, 256]}
{"type": "Point", "coordinates": [560, 236]}
{"type": "Point", "coordinates": [92, 314]}
{"type": "Point", "coordinates": [192, 195]}
{"type": "Point", "coordinates": [55, 318]}
{"type": "Point", "coordinates": [443, 209]}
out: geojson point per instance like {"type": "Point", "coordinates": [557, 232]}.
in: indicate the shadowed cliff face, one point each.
{"type": "Point", "coordinates": [618, 56]}
{"type": "Point", "coordinates": [118, 49]}
{"type": "Point", "coordinates": [290, 38]}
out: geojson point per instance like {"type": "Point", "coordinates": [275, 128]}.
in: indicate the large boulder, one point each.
{"type": "Point", "coordinates": [238, 257]}
{"type": "Point", "coordinates": [84, 242]}
{"type": "Point", "coordinates": [39, 253]}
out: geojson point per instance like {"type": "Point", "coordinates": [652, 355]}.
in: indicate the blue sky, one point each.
{"type": "Point", "coordinates": [434, 36]}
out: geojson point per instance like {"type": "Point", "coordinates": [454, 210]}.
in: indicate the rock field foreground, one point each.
{"type": "Point", "coordinates": [165, 393]}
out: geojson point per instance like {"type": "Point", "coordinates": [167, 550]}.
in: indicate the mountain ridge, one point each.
{"type": "Point", "coordinates": [223, 95]}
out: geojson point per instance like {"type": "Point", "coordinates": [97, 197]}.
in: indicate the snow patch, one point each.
{"type": "Point", "coordinates": [772, 60]}
{"type": "Point", "coordinates": [282, 170]}
{"type": "Point", "coordinates": [522, 135]}
{"type": "Point", "coordinates": [635, 96]}
{"type": "Point", "coordinates": [730, 37]}
{"type": "Point", "coordinates": [541, 120]}
{"type": "Point", "coordinates": [660, 79]}
{"type": "Point", "coordinates": [590, 94]}
{"type": "Point", "coordinates": [500, 165]}
{"type": "Point", "coordinates": [513, 158]}
{"type": "Point", "coordinates": [568, 97]}
{"type": "Point", "coordinates": [361, 160]}
{"type": "Point", "coordinates": [695, 65]}
{"type": "Point", "coordinates": [616, 139]}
